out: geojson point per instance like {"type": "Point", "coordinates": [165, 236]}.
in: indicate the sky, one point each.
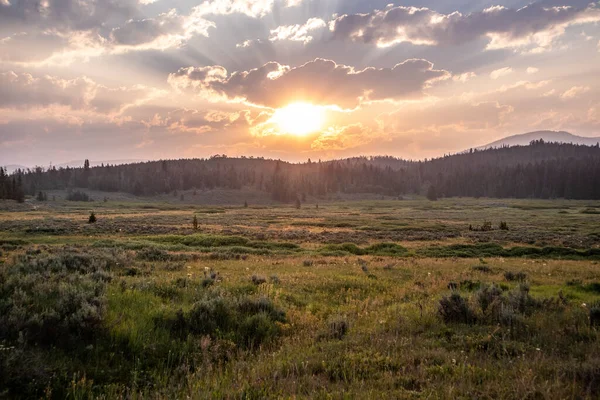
{"type": "Point", "coordinates": [290, 79]}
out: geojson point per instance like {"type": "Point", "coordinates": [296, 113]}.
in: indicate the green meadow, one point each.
{"type": "Point", "coordinates": [458, 298]}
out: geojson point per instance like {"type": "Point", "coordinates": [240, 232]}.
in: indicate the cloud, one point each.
{"type": "Point", "coordinates": [532, 70]}
{"type": "Point", "coordinates": [574, 92]}
{"type": "Point", "coordinates": [534, 26]}
{"type": "Point", "coordinates": [198, 122]}
{"type": "Point", "coordinates": [84, 29]}
{"type": "Point", "coordinates": [250, 8]}
{"type": "Point", "coordinates": [467, 76]}
{"type": "Point", "coordinates": [499, 73]}
{"type": "Point", "coordinates": [321, 82]}
{"type": "Point", "coordinates": [23, 91]}
{"type": "Point", "coordinates": [297, 33]}
{"type": "Point", "coordinates": [170, 26]}
{"type": "Point", "coordinates": [345, 137]}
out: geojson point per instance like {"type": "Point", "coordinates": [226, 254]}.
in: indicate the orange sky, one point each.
{"type": "Point", "coordinates": [149, 79]}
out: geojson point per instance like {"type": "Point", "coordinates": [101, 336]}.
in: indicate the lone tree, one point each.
{"type": "Point", "coordinates": [298, 204]}
{"type": "Point", "coordinates": [195, 223]}
{"type": "Point", "coordinates": [432, 193]}
{"type": "Point", "coordinates": [92, 219]}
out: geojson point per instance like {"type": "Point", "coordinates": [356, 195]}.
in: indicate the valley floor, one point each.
{"type": "Point", "coordinates": [361, 299]}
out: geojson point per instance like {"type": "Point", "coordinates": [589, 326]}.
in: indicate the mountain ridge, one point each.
{"type": "Point", "coordinates": [524, 139]}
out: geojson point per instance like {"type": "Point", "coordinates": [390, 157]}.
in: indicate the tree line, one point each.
{"type": "Point", "coordinates": [540, 170]}
{"type": "Point", "coordinates": [11, 187]}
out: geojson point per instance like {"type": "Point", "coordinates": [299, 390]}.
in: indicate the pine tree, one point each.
{"type": "Point", "coordinates": [92, 219]}
{"type": "Point", "coordinates": [432, 193]}
{"type": "Point", "coordinates": [195, 223]}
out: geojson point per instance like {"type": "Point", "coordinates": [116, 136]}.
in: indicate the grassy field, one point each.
{"type": "Point", "coordinates": [352, 299]}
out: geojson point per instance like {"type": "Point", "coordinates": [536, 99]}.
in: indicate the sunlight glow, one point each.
{"type": "Point", "coordinates": [299, 119]}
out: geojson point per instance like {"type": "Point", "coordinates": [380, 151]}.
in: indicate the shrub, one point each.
{"type": "Point", "coordinates": [275, 279]}
{"type": "Point", "coordinates": [50, 307]}
{"type": "Point", "coordinates": [503, 226]}
{"type": "Point", "coordinates": [515, 277]}
{"type": "Point", "coordinates": [489, 297]}
{"type": "Point", "coordinates": [247, 322]}
{"type": "Point", "coordinates": [153, 254]}
{"type": "Point", "coordinates": [337, 328]}
{"type": "Point", "coordinates": [258, 280]}
{"type": "Point", "coordinates": [455, 309]}
{"type": "Point", "coordinates": [482, 268]}
{"type": "Point", "coordinates": [78, 196]}
{"type": "Point", "coordinates": [92, 219]}
{"type": "Point", "coordinates": [210, 277]}
{"type": "Point", "coordinates": [469, 285]}
{"type": "Point", "coordinates": [520, 300]}
{"type": "Point", "coordinates": [595, 314]}
{"type": "Point", "coordinates": [307, 263]}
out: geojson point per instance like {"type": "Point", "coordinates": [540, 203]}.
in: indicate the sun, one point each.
{"type": "Point", "coordinates": [299, 119]}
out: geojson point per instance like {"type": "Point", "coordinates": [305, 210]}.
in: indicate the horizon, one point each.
{"type": "Point", "coordinates": [290, 79]}
{"type": "Point", "coordinates": [97, 163]}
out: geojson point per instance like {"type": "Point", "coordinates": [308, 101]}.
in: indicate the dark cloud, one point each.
{"type": "Point", "coordinates": [65, 15]}
{"type": "Point", "coordinates": [320, 82]}
{"type": "Point", "coordinates": [505, 27]}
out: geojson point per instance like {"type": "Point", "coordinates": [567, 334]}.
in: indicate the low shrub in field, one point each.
{"type": "Point", "coordinates": [489, 298]}
{"type": "Point", "coordinates": [49, 304]}
{"type": "Point", "coordinates": [456, 309]}
{"type": "Point", "coordinates": [515, 276]}
{"type": "Point", "coordinates": [78, 196]}
{"type": "Point", "coordinates": [153, 254]}
{"type": "Point", "coordinates": [50, 309]}
{"type": "Point", "coordinates": [520, 300]}
{"type": "Point", "coordinates": [595, 314]}
{"type": "Point", "coordinates": [337, 328]}
{"type": "Point", "coordinates": [258, 280]}
{"type": "Point", "coordinates": [483, 269]}
{"type": "Point", "coordinates": [247, 322]}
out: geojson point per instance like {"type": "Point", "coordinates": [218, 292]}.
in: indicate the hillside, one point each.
{"type": "Point", "coordinates": [540, 170]}
{"type": "Point", "coordinates": [547, 136]}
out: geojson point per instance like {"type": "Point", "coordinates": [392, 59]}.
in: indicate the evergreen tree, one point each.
{"type": "Point", "coordinates": [432, 193]}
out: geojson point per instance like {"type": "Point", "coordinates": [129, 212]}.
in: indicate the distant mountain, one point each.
{"type": "Point", "coordinates": [548, 136]}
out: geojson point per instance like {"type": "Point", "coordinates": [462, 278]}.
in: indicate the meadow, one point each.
{"type": "Point", "coordinates": [347, 298]}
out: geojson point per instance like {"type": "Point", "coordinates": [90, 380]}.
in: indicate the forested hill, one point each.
{"type": "Point", "coordinates": [540, 170]}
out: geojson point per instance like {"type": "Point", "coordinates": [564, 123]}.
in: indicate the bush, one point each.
{"type": "Point", "coordinates": [503, 226]}
{"type": "Point", "coordinates": [248, 322]}
{"type": "Point", "coordinates": [337, 328]}
{"type": "Point", "coordinates": [78, 196]}
{"type": "Point", "coordinates": [520, 300]}
{"type": "Point", "coordinates": [515, 277]}
{"type": "Point", "coordinates": [92, 219]}
{"type": "Point", "coordinates": [482, 268]}
{"type": "Point", "coordinates": [489, 297]}
{"type": "Point", "coordinates": [153, 254]}
{"type": "Point", "coordinates": [258, 280]}
{"type": "Point", "coordinates": [50, 306]}
{"type": "Point", "coordinates": [455, 309]}
{"type": "Point", "coordinates": [595, 314]}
